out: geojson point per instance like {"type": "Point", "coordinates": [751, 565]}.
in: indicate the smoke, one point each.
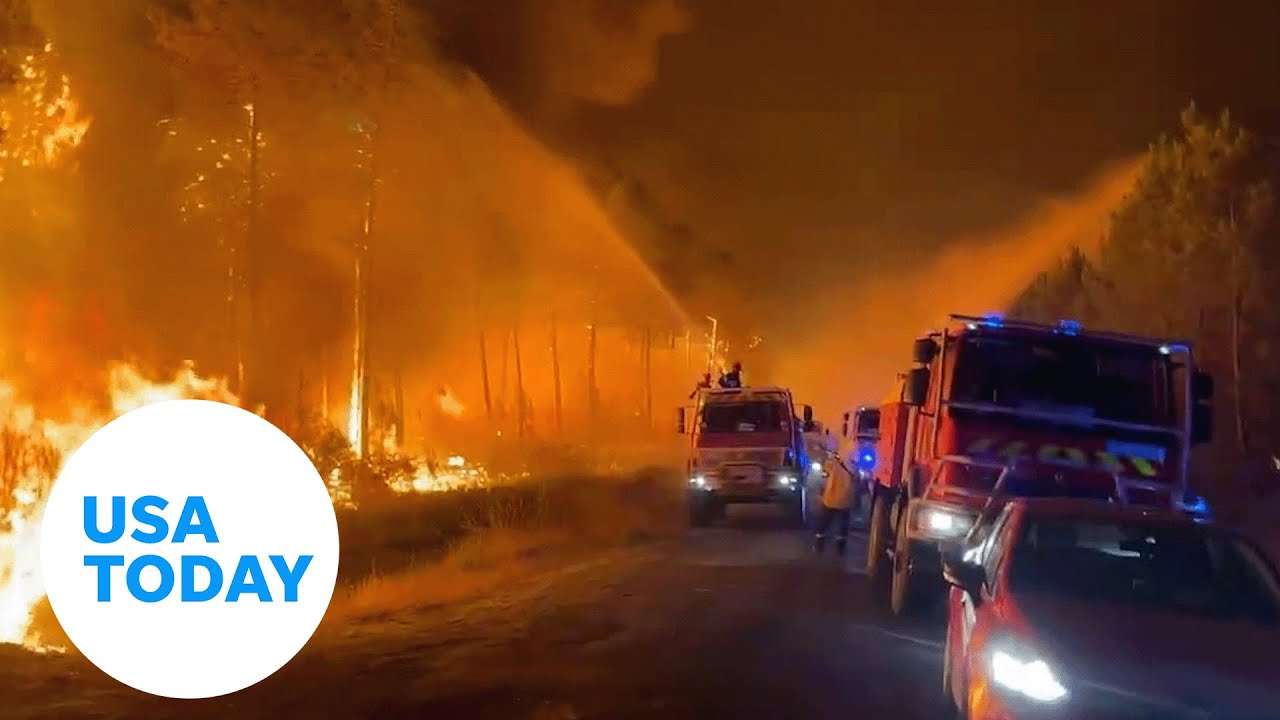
{"type": "Point", "coordinates": [861, 335]}
{"type": "Point", "coordinates": [603, 52]}
{"type": "Point", "coordinates": [478, 228]}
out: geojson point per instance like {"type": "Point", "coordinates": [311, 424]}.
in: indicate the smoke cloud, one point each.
{"type": "Point", "coordinates": [862, 334]}
{"type": "Point", "coordinates": [478, 229]}
{"type": "Point", "coordinates": [603, 52]}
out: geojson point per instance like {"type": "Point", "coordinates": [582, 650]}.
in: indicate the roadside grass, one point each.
{"type": "Point", "coordinates": [424, 551]}
{"type": "Point", "coordinates": [421, 551]}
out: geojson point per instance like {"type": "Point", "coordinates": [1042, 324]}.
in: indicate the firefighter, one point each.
{"type": "Point", "coordinates": [733, 378]}
{"type": "Point", "coordinates": [837, 504]}
{"type": "Point", "coordinates": [703, 384]}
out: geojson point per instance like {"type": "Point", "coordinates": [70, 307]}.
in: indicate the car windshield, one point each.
{"type": "Point", "coordinates": [868, 422]}
{"type": "Point", "coordinates": [1186, 569]}
{"type": "Point", "coordinates": [745, 417]}
{"type": "Point", "coordinates": [1066, 376]}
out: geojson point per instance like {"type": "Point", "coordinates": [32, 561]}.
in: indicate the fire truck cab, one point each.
{"type": "Point", "coordinates": [746, 446]}
{"type": "Point", "coordinates": [862, 428]}
{"type": "Point", "coordinates": [1007, 408]}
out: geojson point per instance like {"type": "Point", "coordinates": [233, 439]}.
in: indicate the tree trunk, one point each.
{"type": "Point", "coordinates": [302, 398]}
{"type": "Point", "coordinates": [521, 418]}
{"type": "Point", "coordinates": [555, 371]}
{"type": "Point", "coordinates": [358, 422]}
{"type": "Point", "coordinates": [502, 379]}
{"type": "Point", "coordinates": [593, 393]}
{"type": "Point", "coordinates": [249, 271]}
{"type": "Point", "coordinates": [1237, 310]}
{"type": "Point", "coordinates": [324, 385]}
{"type": "Point", "coordinates": [400, 435]}
{"type": "Point", "coordinates": [484, 377]}
{"type": "Point", "coordinates": [647, 356]}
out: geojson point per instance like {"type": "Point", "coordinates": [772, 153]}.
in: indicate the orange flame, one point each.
{"type": "Point", "coordinates": [31, 453]}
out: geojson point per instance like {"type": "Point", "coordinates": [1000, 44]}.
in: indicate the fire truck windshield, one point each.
{"type": "Point", "coordinates": [766, 416]}
{"type": "Point", "coordinates": [1068, 376]}
{"type": "Point", "coordinates": [868, 422]}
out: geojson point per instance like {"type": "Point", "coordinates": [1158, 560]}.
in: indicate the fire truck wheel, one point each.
{"type": "Point", "coordinates": [702, 512]}
{"type": "Point", "coordinates": [902, 591]}
{"type": "Point", "coordinates": [878, 538]}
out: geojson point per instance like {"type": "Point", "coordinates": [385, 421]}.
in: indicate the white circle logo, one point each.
{"type": "Point", "coordinates": [189, 549]}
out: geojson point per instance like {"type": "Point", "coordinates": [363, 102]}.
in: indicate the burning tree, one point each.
{"type": "Point", "coordinates": [40, 117]}
{"type": "Point", "coordinates": [222, 193]}
{"type": "Point", "coordinates": [256, 57]}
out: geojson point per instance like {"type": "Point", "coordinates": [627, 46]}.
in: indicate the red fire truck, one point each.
{"type": "Point", "coordinates": [746, 445]}
{"type": "Point", "coordinates": [1046, 410]}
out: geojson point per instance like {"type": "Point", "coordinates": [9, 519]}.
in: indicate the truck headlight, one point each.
{"type": "Point", "coordinates": [1026, 675]}
{"type": "Point", "coordinates": [698, 481]}
{"type": "Point", "coordinates": [816, 466]}
{"type": "Point", "coordinates": [944, 521]}
{"type": "Point", "coordinates": [787, 481]}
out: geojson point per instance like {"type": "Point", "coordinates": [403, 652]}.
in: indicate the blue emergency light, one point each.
{"type": "Point", "coordinates": [867, 458]}
{"type": "Point", "coordinates": [991, 319]}
{"type": "Point", "coordinates": [1069, 327]}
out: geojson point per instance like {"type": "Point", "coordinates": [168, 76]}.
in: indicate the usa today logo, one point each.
{"type": "Point", "coordinates": [189, 549]}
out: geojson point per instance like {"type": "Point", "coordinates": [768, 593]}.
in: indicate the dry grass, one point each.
{"type": "Point", "coordinates": [437, 549]}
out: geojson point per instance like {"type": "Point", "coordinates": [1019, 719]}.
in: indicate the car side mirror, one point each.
{"type": "Point", "coordinates": [807, 414]}
{"type": "Point", "coordinates": [680, 421]}
{"type": "Point", "coordinates": [967, 576]}
{"type": "Point", "coordinates": [917, 389]}
{"type": "Point", "coordinates": [844, 426]}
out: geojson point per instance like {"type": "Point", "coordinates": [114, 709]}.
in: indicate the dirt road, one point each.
{"type": "Point", "coordinates": [738, 621]}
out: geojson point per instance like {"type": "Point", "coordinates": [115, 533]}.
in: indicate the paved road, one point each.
{"type": "Point", "coordinates": [742, 621]}
{"type": "Point", "coordinates": [735, 621]}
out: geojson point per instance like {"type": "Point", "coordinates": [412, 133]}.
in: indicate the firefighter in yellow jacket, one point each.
{"type": "Point", "coordinates": [837, 502]}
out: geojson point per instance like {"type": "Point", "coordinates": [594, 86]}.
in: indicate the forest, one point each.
{"type": "Point", "coordinates": [1190, 254]}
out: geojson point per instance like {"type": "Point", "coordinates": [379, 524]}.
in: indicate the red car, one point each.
{"type": "Point", "coordinates": [1069, 608]}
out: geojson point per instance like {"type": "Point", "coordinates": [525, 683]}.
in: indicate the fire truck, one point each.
{"type": "Point", "coordinates": [862, 427]}
{"type": "Point", "coordinates": [746, 446]}
{"type": "Point", "coordinates": [995, 407]}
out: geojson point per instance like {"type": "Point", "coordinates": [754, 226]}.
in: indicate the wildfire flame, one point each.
{"type": "Point", "coordinates": [456, 474]}
{"type": "Point", "coordinates": [449, 404]}
{"type": "Point", "coordinates": [40, 118]}
{"type": "Point", "coordinates": [31, 453]}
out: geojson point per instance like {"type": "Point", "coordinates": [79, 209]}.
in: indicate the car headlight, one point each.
{"type": "Point", "coordinates": [787, 481]}
{"type": "Point", "coordinates": [815, 466]}
{"type": "Point", "coordinates": [698, 481]}
{"type": "Point", "coordinates": [944, 521]}
{"type": "Point", "coordinates": [1027, 675]}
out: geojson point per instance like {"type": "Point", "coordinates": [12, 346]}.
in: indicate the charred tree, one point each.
{"type": "Point", "coordinates": [484, 377]}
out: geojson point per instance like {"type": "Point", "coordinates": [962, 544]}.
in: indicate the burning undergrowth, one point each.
{"type": "Point", "coordinates": [32, 449]}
